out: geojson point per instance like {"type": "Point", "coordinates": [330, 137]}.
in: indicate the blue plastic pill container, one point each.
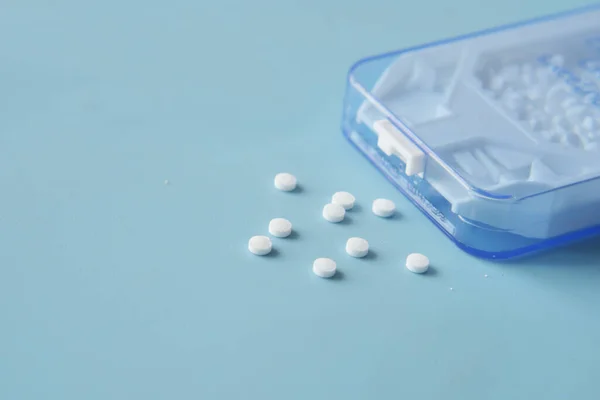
{"type": "Point", "coordinates": [495, 136]}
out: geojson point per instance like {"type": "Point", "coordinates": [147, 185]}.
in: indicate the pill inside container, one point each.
{"type": "Point", "coordinates": [495, 136]}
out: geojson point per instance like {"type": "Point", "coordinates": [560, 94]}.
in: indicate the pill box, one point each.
{"type": "Point", "coordinates": [495, 136]}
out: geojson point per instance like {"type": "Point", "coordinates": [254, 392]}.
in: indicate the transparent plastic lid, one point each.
{"type": "Point", "coordinates": [510, 115]}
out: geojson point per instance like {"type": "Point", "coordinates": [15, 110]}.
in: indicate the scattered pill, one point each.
{"type": "Point", "coordinates": [384, 208]}
{"type": "Point", "coordinates": [417, 263]}
{"type": "Point", "coordinates": [324, 267]}
{"type": "Point", "coordinates": [344, 199]}
{"type": "Point", "coordinates": [334, 212]}
{"type": "Point", "coordinates": [167, 182]}
{"type": "Point", "coordinates": [260, 245]}
{"type": "Point", "coordinates": [280, 227]}
{"type": "Point", "coordinates": [285, 182]}
{"type": "Point", "coordinates": [357, 247]}
{"type": "Point", "coordinates": [485, 276]}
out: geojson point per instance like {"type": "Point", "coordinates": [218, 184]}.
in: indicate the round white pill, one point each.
{"type": "Point", "coordinates": [384, 208]}
{"type": "Point", "coordinates": [324, 267]}
{"type": "Point", "coordinates": [588, 123]}
{"type": "Point", "coordinates": [511, 72]}
{"type": "Point", "coordinates": [534, 93]}
{"type": "Point", "coordinates": [344, 199]}
{"type": "Point", "coordinates": [576, 113]}
{"type": "Point", "coordinates": [555, 96]}
{"type": "Point", "coordinates": [280, 227]}
{"type": "Point", "coordinates": [527, 76]}
{"type": "Point", "coordinates": [589, 98]}
{"type": "Point", "coordinates": [560, 122]}
{"type": "Point", "coordinates": [334, 212]}
{"type": "Point", "coordinates": [260, 245]}
{"type": "Point", "coordinates": [593, 146]}
{"type": "Point", "coordinates": [514, 101]}
{"type": "Point", "coordinates": [557, 60]}
{"type": "Point", "coordinates": [497, 83]}
{"type": "Point", "coordinates": [569, 102]}
{"type": "Point", "coordinates": [534, 124]}
{"type": "Point", "coordinates": [357, 247]}
{"type": "Point", "coordinates": [417, 263]}
{"type": "Point", "coordinates": [286, 182]}
{"type": "Point", "coordinates": [544, 75]}
{"type": "Point", "coordinates": [551, 136]}
{"type": "Point", "coordinates": [571, 140]}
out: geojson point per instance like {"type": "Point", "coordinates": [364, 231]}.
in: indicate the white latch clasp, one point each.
{"type": "Point", "coordinates": [392, 142]}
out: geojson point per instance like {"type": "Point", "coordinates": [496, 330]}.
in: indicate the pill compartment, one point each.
{"type": "Point", "coordinates": [495, 136]}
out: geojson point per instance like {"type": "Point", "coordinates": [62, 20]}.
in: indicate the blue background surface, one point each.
{"type": "Point", "coordinates": [114, 285]}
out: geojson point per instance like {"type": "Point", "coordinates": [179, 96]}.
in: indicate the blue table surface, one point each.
{"type": "Point", "coordinates": [114, 285]}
